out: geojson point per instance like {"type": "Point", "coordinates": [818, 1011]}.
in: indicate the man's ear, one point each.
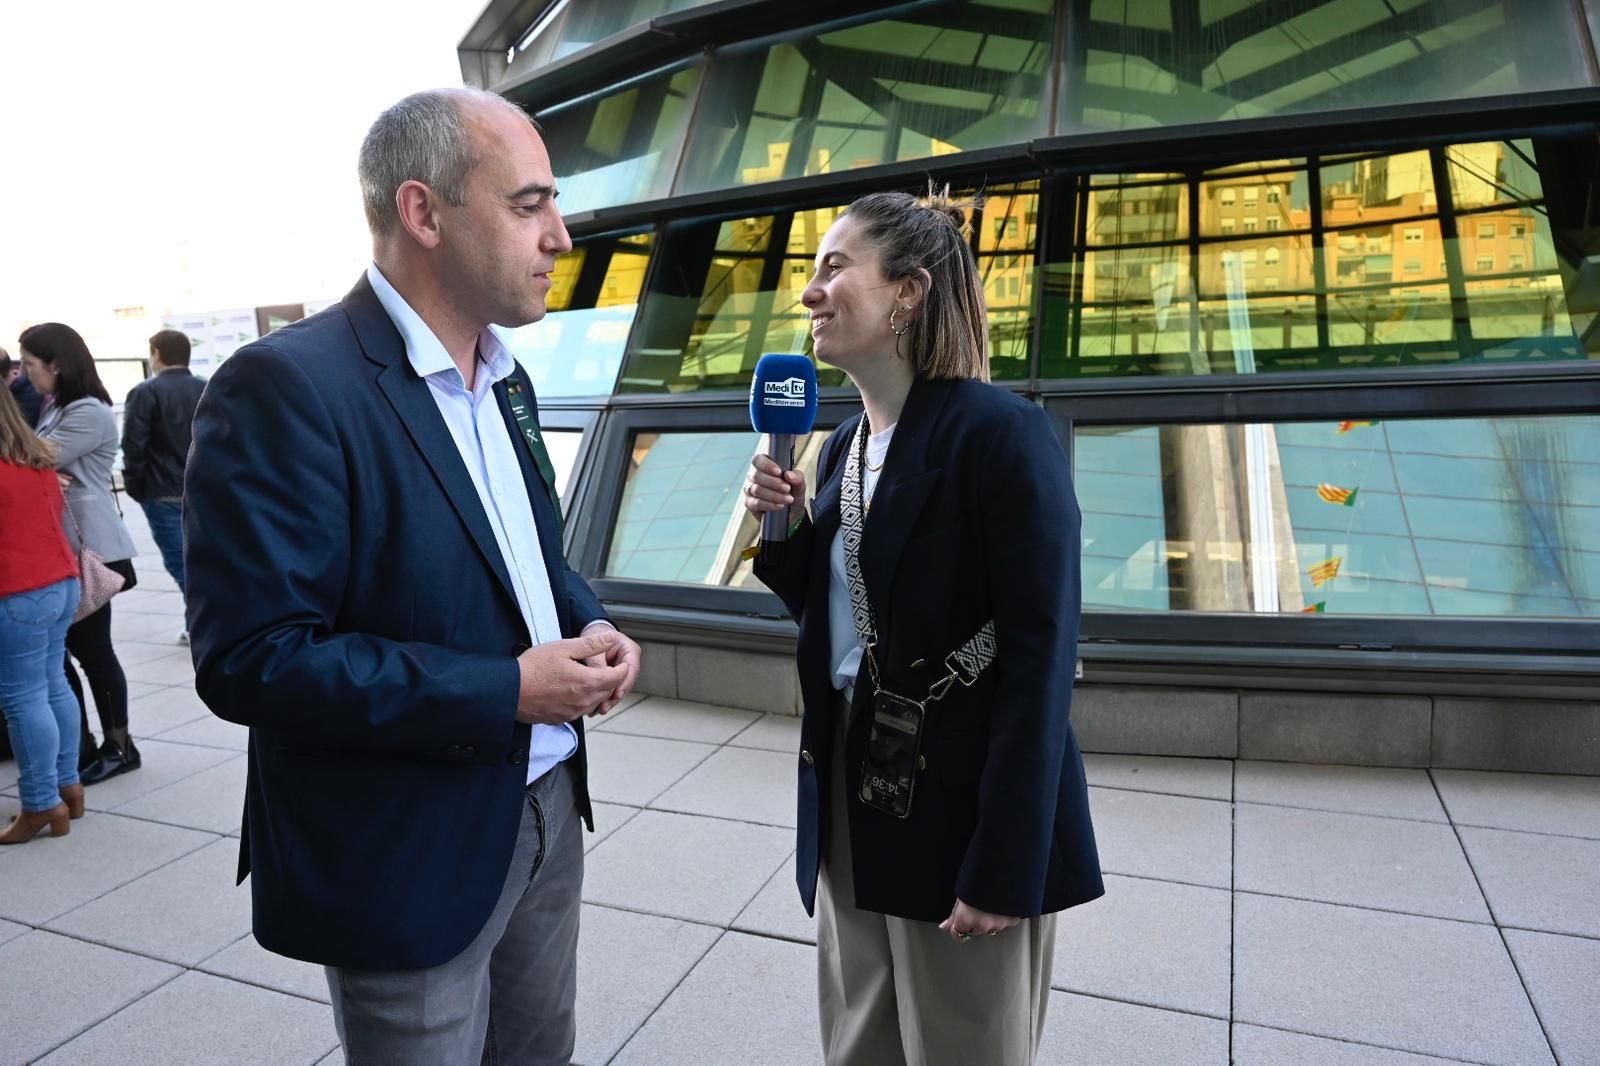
{"type": "Point", "coordinates": [418, 208]}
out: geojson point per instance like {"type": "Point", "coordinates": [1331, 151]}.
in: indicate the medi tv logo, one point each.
{"type": "Point", "coordinates": [790, 392]}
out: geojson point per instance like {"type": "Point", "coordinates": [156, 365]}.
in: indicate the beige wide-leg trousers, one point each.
{"type": "Point", "coordinates": [894, 991]}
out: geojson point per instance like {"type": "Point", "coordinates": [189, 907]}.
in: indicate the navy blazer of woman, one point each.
{"type": "Point", "coordinates": [973, 518]}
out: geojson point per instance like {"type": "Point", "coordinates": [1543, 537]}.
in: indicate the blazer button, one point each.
{"type": "Point", "coordinates": [805, 756]}
{"type": "Point", "coordinates": [518, 757]}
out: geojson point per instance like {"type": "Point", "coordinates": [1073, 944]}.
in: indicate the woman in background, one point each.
{"type": "Point", "coordinates": [38, 595]}
{"type": "Point", "coordinates": [77, 419]}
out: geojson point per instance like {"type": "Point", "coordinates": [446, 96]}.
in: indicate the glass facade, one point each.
{"type": "Point", "coordinates": [731, 295]}
{"type": "Point", "coordinates": [681, 518]}
{"type": "Point", "coordinates": [576, 349]}
{"type": "Point", "coordinates": [621, 146]}
{"type": "Point", "coordinates": [932, 82]}
{"type": "Point", "coordinates": [1475, 517]}
{"type": "Point", "coordinates": [1310, 368]}
{"type": "Point", "coordinates": [1144, 63]}
{"type": "Point", "coordinates": [1424, 257]}
{"type": "Point", "coordinates": [580, 24]}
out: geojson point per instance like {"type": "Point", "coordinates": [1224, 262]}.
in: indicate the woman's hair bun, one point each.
{"type": "Point", "coordinates": [959, 210]}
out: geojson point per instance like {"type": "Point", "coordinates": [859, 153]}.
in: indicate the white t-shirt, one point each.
{"type": "Point", "coordinates": [845, 647]}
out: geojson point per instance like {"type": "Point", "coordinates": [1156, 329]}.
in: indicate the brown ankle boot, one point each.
{"type": "Point", "coordinates": [72, 796]}
{"type": "Point", "coordinates": [26, 825]}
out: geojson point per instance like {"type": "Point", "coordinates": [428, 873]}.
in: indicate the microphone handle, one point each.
{"type": "Point", "coordinates": [775, 524]}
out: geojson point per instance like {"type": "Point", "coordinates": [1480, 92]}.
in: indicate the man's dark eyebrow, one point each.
{"type": "Point", "coordinates": [535, 189]}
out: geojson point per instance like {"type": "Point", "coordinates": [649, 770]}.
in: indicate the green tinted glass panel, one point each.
{"type": "Point", "coordinates": [1163, 62]}
{"type": "Point", "coordinates": [1440, 517]}
{"type": "Point", "coordinates": [681, 519]}
{"type": "Point", "coordinates": [576, 349]}
{"type": "Point", "coordinates": [936, 81]}
{"type": "Point", "coordinates": [1352, 261]}
{"type": "Point", "coordinates": [620, 147]}
{"type": "Point", "coordinates": [582, 23]}
{"type": "Point", "coordinates": [732, 294]}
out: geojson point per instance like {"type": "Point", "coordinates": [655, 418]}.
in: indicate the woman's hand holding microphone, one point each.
{"type": "Point", "coordinates": [771, 488]}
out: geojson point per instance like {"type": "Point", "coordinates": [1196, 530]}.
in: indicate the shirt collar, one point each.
{"type": "Point", "coordinates": [423, 350]}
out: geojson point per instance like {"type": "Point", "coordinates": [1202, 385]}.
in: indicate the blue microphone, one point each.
{"type": "Point", "coordinates": [783, 405]}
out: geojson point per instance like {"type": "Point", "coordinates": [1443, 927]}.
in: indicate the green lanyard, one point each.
{"type": "Point", "coordinates": [530, 436]}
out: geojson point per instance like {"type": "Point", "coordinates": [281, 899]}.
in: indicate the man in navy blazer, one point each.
{"type": "Point", "coordinates": [377, 589]}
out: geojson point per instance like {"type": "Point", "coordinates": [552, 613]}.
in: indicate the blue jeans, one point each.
{"type": "Point", "coordinates": [41, 713]}
{"type": "Point", "coordinates": [166, 526]}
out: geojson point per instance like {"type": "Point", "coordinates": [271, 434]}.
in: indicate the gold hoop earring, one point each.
{"type": "Point", "coordinates": [901, 332]}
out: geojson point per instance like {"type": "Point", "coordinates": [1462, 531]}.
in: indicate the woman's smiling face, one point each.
{"type": "Point", "coordinates": [849, 299]}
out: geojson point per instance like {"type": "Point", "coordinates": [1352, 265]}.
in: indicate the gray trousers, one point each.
{"type": "Point", "coordinates": [510, 997]}
{"type": "Point", "coordinates": [893, 992]}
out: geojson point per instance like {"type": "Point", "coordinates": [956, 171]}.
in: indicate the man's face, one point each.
{"type": "Point", "coordinates": [156, 365]}
{"type": "Point", "coordinates": [14, 373]}
{"type": "Point", "coordinates": [501, 244]}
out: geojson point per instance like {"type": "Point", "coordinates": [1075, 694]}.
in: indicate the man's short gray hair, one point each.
{"type": "Point", "coordinates": [422, 138]}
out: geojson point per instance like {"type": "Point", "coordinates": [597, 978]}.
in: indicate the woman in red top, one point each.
{"type": "Point", "coordinates": [38, 596]}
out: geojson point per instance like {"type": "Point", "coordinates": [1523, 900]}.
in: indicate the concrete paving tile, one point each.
{"type": "Point", "coordinates": [176, 668]}
{"type": "Point", "coordinates": [183, 912]}
{"type": "Point", "coordinates": [773, 732]}
{"type": "Point", "coordinates": [212, 800]}
{"type": "Point", "coordinates": [1538, 882]}
{"type": "Point", "coordinates": [148, 600]}
{"type": "Point", "coordinates": [1386, 863]}
{"type": "Point", "coordinates": [1563, 977]}
{"type": "Point", "coordinates": [635, 770]}
{"type": "Point", "coordinates": [777, 910]}
{"type": "Point", "coordinates": [627, 964]}
{"type": "Point", "coordinates": [748, 1001]}
{"type": "Point", "coordinates": [131, 653]}
{"type": "Point", "coordinates": [742, 783]}
{"type": "Point", "coordinates": [1255, 1046]}
{"type": "Point", "coordinates": [212, 732]}
{"type": "Point", "coordinates": [51, 875]}
{"type": "Point", "coordinates": [154, 629]}
{"type": "Point", "coordinates": [1149, 942]}
{"type": "Point", "coordinates": [657, 716]}
{"type": "Point", "coordinates": [10, 930]}
{"type": "Point", "coordinates": [8, 774]}
{"type": "Point", "coordinates": [1079, 1030]}
{"type": "Point", "coordinates": [198, 1018]}
{"type": "Point", "coordinates": [685, 866]}
{"type": "Point", "coordinates": [1534, 803]}
{"type": "Point", "coordinates": [245, 960]}
{"type": "Point", "coordinates": [335, 1058]}
{"type": "Point", "coordinates": [161, 764]}
{"type": "Point", "coordinates": [136, 690]}
{"type": "Point", "coordinates": [55, 987]}
{"type": "Point", "coordinates": [164, 709]}
{"type": "Point", "coordinates": [1203, 778]}
{"type": "Point", "coordinates": [608, 818]}
{"type": "Point", "coordinates": [1426, 985]}
{"type": "Point", "coordinates": [1386, 791]}
{"type": "Point", "coordinates": [1171, 837]}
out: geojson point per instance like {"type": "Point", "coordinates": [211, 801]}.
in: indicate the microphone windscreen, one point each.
{"type": "Point", "coordinates": [783, 395]}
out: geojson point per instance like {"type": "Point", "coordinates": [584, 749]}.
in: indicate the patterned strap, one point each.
{"type": "Point", "coordinates": [967, 661]}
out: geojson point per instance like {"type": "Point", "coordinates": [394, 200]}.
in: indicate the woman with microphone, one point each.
{"type": "Point", "coordinates": [943, 814]}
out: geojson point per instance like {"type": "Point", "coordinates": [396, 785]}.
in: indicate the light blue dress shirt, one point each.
{"type": "Point", "coordinates": [489, 452]}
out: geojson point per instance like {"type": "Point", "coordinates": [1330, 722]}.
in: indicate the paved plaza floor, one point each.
{"type": "Point", "coordinates": [1256, 913]}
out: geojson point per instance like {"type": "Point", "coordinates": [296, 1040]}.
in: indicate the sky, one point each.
{"type": "Point", "coordinates": [194, 155]}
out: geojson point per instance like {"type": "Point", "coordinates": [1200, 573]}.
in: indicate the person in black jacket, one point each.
{"type": "Point", "coordinates": [943, 813]}
{"type": "Point", "coordinates": [22, 389]}
{"type": "Point", "coordinates": [157, 424]}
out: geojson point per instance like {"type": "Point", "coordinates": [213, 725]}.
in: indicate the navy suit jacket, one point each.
{"type": "Point", "coordinates": [348, 603]}
{"type": "Point", "coordinates": [973, 518]}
